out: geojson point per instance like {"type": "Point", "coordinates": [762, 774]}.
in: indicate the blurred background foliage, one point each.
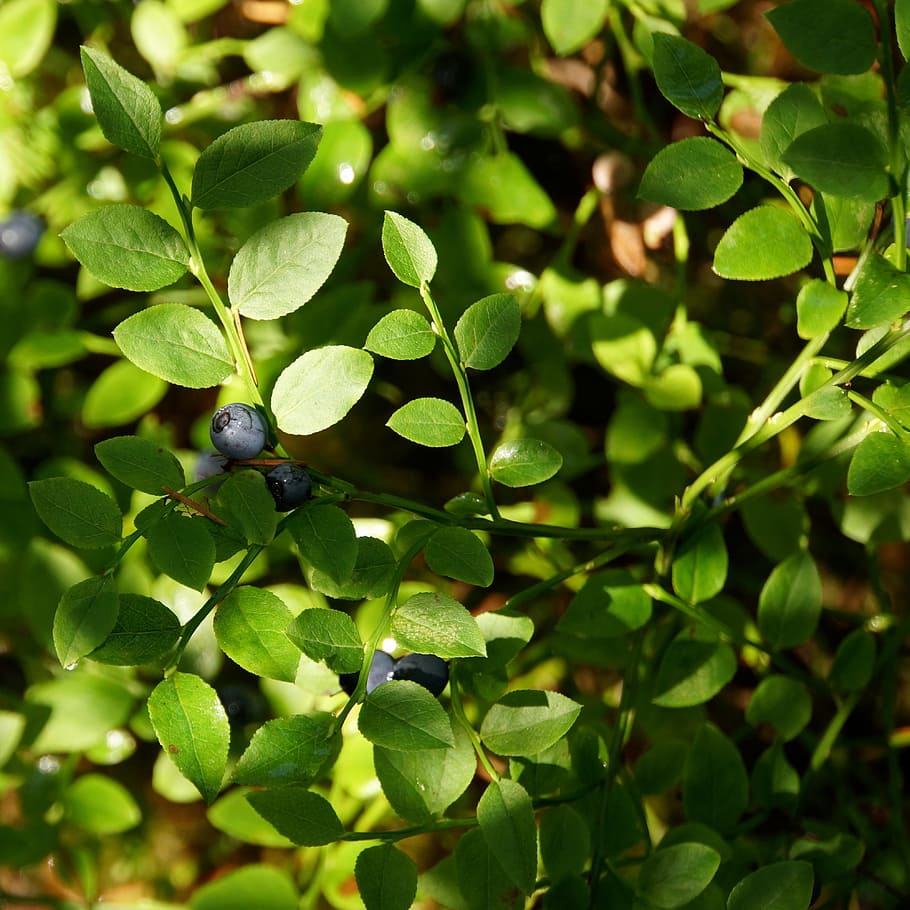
{"type": "Point", "coordinates": [515, 133]}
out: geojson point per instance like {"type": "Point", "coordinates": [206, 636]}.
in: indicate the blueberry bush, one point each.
{"type": "Point", "coordinates": [454, 454]}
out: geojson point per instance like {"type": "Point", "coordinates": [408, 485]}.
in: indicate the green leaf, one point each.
{"type": "Point", "coordinates": [781, 702]}
{"type": "Point", "coordinates": [775, 782]}
{"type": "Point", "coordinates": [244, 501]}
{"type": "Point", "coordinates": [326, 539]}
{"type": "Point", "coordinates": [692, 672]}
{"type": "Point", "coordinates": [623, 345]}
{"type": "Point", "coordinates": [570, 24]}
{"type": "Point", "coordinates": [487, 331]}
{"type": "Point", "coordinates": [250, 627]}
{"type": "Point", "coordinates": [610, 604]}
{"type": "Point", "coordinates": [786, 885]}
{"type": "Point", "coordinates": [233, 815]}
{"type": "Point", "coordinates": [125, 246]}
{"type": "Point", "coordinates": [253, 162]}
{"type": "Point", "coordinates": [429, 422]}
{"type": "Point", "coordinates": [373, 575]}
{"type": "Point", "coordinates": [320, 387]}
{"type": "Point", "coordinates": [386, 878]}
{"type": "Point", "coordinates": [192, 727]}
{"type": "Point", "coordinates": [408, 251]}
{"type": "Point", "coordinates": [127, 110]}
{"type": "Point", "coordinates": [829, 36]}
{"type": "Point", "coordinates": [26, 34]}
{"type": "Point", "coordinates": [420, 785]}
{"type": "Point", "coordinates": [283, 264]}
{"type": "Point", "coordinates": [183, 549]}
{"type": "Point", "coordinates": [527, 721]}
{"type": "Point", "coordinates": [482, 882]}
{"type": "Point", "coordinates": [401, 714]}
{"type": "Point", "coordinates": [880, 462]}
{"type": "Point", "coordinates": [505, 190]}
{"type": "Point", "coordinates": [765, 242]}
{"type": "Point", "coordinates": [854, 662]}
{"type": "Point", "coordinates": [458, 553]}
{"type": "Point", "coordinates": [77, 512]}
{"type": "Point", "coordinates": [688, 77]}
{"type": "Point", "coordinates": [676, 388]}
{"type": "Point", "coordinates": [790, 602]}
{"type": "Point", "coordinates": [304, 817]}
{"type": "Point", "coordinates": [715, 788]}
{"type": "Point", "coordinates": [121, 393]}
{"type": "Point", "coordinates": [287, 750]}
{"type": "Point", "coordinates": [159, 36]}
{"type": "Point", "coordinates": [177, 344]}
{"type": "Point", "coordinates": [819, 308]}
{"type": "Point", "coordinates": [879, 295]}
{"type": "Point", "coordinates": [565, 842]}
{"type": "Point", "coordinates": [506, 817]}
{"type": "Point", "coordinates": [144, 633]}
{"type": "Point", "coordinates": [793, 112]}
{"type": "Point", "coordinates": [693, 174]}
{"type": "Point", "coordinates": [672, 876]}
{"type": "Point", "coordinates": [96, 803]}
{"type": "Point", "coordinates": [524, 462]}
{"type": "Point", "coordinates": [85, 617]}
{"type": "Point", "coordinates": [140, 464]}
{"type": "Point", "coordinates": [259, 886]}
{"type": "Point", "coordinates": [902, 26]}
{"type": "Point", "coordinates": [328, 635]}
{"type": "Point", "coordinates": [401, 335]}
{"type": "Point", "coordinates": [437, 624]}
{"type": "Point", "coordinates": [700, 565]}
{"type": "Point", "coordinates": [843, 159]}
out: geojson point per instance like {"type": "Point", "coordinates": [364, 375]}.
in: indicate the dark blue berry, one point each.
{"type": "Point", "coordinates": [380, 672]}
{"type": "Point", "coordinates": [428, 670]}
{"type": "Point", "coordinates": [19, 234]}
{"type": "Point", "coordinates": [289, 485]}
{"type": "Point", "coordinates": [238, 431]}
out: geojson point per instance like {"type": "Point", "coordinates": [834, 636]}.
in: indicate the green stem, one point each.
{"type": "Point", "coordinates": [402, 833]}
{"type": "Point", "coordinates": [468, 727]}
{"type": "Point", "coordinates": [467, 400]}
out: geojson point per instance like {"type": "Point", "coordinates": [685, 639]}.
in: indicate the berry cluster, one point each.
{"type": "Point", "coordinates": [428, 670]}
{"type": "Point", "coordinates": [239, 432]}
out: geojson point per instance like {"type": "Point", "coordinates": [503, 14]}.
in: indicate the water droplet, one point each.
{"type": "Point", "coordinates": [174, 115]}
{"type": "Point", "coordinates": [71, 666]}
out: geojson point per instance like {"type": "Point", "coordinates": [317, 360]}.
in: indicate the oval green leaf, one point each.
{"type": "Point", "coordinates": [183, 549]}
{"type": "Point", "coordinates": [250, 627]}
{"type": "Point", "coordinates": [320, 387]}
{"type": "Point", "coordinates": [430, 422]}
{"type": "Point", "coordinates": [127, 110]}
{"type": "Point", "coordinates": [177, 344]}
{"type": "Point", "coordinates": [77, 512]}
{"type": "Point", "coordinates": [304, 817]}
{"type": "Point", "coordinates": [880, 462]}
{"type": "Point", "coordinates": [128, 247]}
{"type": "Point", "coordinates": [487, 331]}
{"type": "Point", "coordinates": [715, 787]}
{"type": "Point", "coordinates": [401, 335]}
{"type": "Point", "coordinates": [144, 633]}
{"type": "Point", "coordinates": [766, 242]}
{"type": "Point", "coordinates": [692, 672]}
{"type": "Point", "coordinates": [781, 702]}
{"type": "Point", "coordinates": [408, 251]}
{"type": "Point", "coordinates": [794, 111]}
{"type": "Point", "coordinates": [524, 462]}
{"type": "Point", "coordinates": [328, 635]}
{"type": "Point", "coordinates": [386, 878]}
{"type": "Point", "coordinates": [790, 602]}
{"type": "Point", "coordinates": [786, 885]}
{"type": "Point", "coordinates": [437, 624]}
{"type": "Point", "coordinates": [85, 617]}
{"type": "Point", "coordinates": [140, 464]}
{"type": "Point", "coordinates": [283, 264]}
{"type": "Point", "coordinates": [700, 565]}
{"type": "Point", "coordinates": [253, 162]}
{"type": "Point", "coordinates": [692, 174]}
{"type": "Point", "coordinates": [570, 24]}
{"type": "Point", "coordinates": [402, 715]}
{"type": "Point", "coordinates": [326, 539]}
{"type": "Point", "coordinates": [192, 727]}
{"type": "Point", "coordinates": [843, 159]}
{"type": "Point", "coordinates": [819, 308]}
{"type": "Point", "coordinates": [828, 36]}
{"type": "Point", "coordinates": [457, 553]}
{"type": "Point", "coordinates": [672, 876]}
{"type": "Point", "coordinates": [506, 816]}
{"type": "Point", "coordinates": [688, 77]}
{"type": "Point", "coordinates": [527, 721]}
{"type": "Point", "coordinates": [879, 295]}
{"type": "Point", "coordinates": [263, 887]}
